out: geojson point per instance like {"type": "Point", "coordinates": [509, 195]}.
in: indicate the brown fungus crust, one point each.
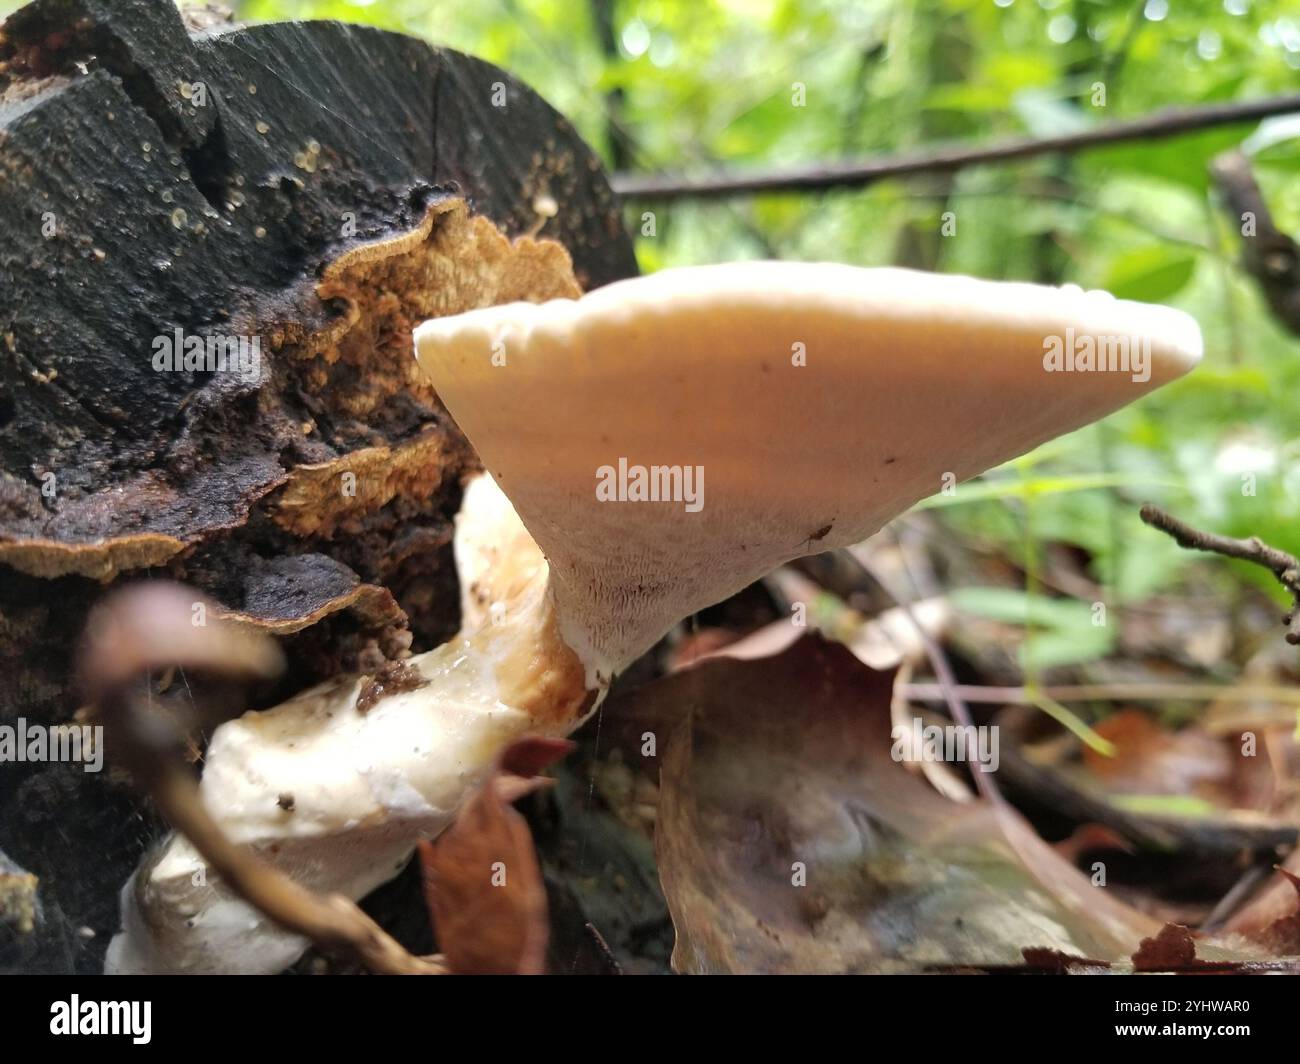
{"type": "Point", "coordinates": [454, 262]}
{"type": "Point", "coordinates": [373, 606]}
{"type": "Point", "coordinates": [358, 376]}
{"type": "Point", "coordinates": [318, 499]}
{"type": "Point", "coordinates": [99, 561]}
{"type": "Point", "coordinates": [370, 507]}
{"type": "Point", "coordinates": [358, 567]}
{"type": "Point", "coordinates": [363, 374]}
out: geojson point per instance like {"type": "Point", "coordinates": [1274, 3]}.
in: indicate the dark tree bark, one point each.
{"type": "Point", "coordinates": [317, 187]}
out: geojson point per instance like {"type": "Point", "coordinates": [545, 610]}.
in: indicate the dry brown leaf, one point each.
{"type": "Point", "coordinates": [882, 642]}
{"type": "Point", "coordinates": [482, 881]}
{"type": "Point", "coordinates": [1150, 759]}
{"type": "Point", "coordinates": [1281, 936]}
{"type": "Point", "coordinates": [1087, 838]}
{"type": "Point", "coordinates": [779, 774]}
{"type": "Point", "coordinates": [1174, 947]}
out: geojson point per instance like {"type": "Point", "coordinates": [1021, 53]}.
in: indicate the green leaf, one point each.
{"type": "Point", "coordinates": [1053, 649]}
{"type": "Point", "coordinates": [1020, 607]}
{"type": "Point", "coordinates": [1180, 160]}
{"type": "Point", "coordinates": [1045, 115]}
{"type": "Point", "coordinates": [1063, 629]}
{"type": "Point", "coordinates": [1020, 488]}
{"type": "Point", "coordinates": [1151, 274]}
{"type": "Point", "coordinates": [1276, 142]}
{"type": "Point", "coordinates": [1173, 805]}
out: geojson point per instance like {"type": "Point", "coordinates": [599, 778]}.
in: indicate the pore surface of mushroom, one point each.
{"type": "Point", "coordinates": [664, 441]}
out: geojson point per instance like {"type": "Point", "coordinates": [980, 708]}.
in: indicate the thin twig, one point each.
{"type": "Point", "coordinates": [145, 629]}
{"type": "Point", "coordinates": [938, 662]}
{"type": "Point", "coordinates": [1285, 567]}
{"type": "Point", "coordinates": [1167, 123]}
{"type": "Point", "coordinates": [1237, 896]}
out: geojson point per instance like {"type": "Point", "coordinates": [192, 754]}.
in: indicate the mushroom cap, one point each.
{"type": "Point", "coordinates": [909, 380]}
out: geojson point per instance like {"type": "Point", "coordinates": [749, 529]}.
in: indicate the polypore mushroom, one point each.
{"type": "Point", "coordinates": [819, 400]}
{"type": "Point", "coordinates": [664, 441]}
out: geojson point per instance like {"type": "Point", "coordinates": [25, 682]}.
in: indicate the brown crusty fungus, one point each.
{"type": "Point", "coordinates": [665, 441]}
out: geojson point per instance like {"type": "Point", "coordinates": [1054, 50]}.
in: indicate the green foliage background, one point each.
{"type": "Point", "coordinates": [693, 85]}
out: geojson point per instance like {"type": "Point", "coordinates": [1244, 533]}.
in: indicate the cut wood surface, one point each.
{"type": "Point", "coordinates": [311, 190]}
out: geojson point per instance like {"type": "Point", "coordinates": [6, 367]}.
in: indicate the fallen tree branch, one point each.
{"type": "Point", "coordinates": [1223, 836]}
{"type": "Point", "coordinates": [147, 628]}
{"type": "Point", "coordinates": [855, 173]}
{"type": "Point", "coordinates": [1285, 567]}
{"type": "Point", "coordinates": [1269, 255]}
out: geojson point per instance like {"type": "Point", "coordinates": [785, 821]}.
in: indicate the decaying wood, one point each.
{"type": "Point", "coordinates": [329, 187]}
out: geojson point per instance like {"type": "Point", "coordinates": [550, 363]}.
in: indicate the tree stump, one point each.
{"type": "Point", "coordinates": [294, 196]}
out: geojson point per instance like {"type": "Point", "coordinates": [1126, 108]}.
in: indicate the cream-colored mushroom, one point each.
{"type": "Point", "coordinates": [818, 400]}
{"type": "Point", "coordinates": [764, 410]}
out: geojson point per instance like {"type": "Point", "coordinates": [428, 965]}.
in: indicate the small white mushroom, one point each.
{"type": "Point", "coordinates": [773, 410]}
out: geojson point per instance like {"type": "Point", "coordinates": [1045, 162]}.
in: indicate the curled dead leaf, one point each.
{"type": "Point", "coordinates": [1173, 948]}
{"type": "Point", "coordinates": [1282, 936]}
{"type": "Point", "coordinates": [789, 839]}
{"type": "Point", "coordinates": [482, 881]}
